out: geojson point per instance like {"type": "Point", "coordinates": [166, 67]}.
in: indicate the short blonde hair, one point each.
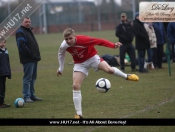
{"type": "Point", "coordinates": [68, 31]}
{"type": "Point", "coordinates": [25, 17]}
{"type": "Point", "coordinates": [2, 38]}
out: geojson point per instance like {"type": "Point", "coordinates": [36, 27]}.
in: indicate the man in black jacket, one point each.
{"type": "Point", "coordinates": [125, 35]}
{"type": "Point", "coordinates": [142, 42]}
{"type": "Point", "coordinates": [29, 56]}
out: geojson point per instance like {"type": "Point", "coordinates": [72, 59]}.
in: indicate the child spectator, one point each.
{"type": "Point", "coordinates": [4, 70]}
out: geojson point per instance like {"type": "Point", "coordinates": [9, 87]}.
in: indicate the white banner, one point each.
{"type": "Point", "coordinates": [157, 11]}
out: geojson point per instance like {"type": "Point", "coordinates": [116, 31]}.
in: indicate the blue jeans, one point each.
{"type": "Point", "coordinates": [30, 74]}
{"type": "Point", "coordinates": [141, 59]}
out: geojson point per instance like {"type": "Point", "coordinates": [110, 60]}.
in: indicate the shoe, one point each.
{"type": "Point", "coordinates": [143, 71]}
{"type": "Point", "coordinates": [146, 65]}
{"type": "Point", "coordinates": [7, 105]}
{"type": "Point", "coordinates": [36, 99]}
{"type": "Point", "coordinates": [28, 100]}
{"type": "Point", "coordinates": [123, 70]}
{"type": "Point", "coordinates": [4, 105]}
{"type": "Point", "coordinates": [134, 70]}
{"type": "Point", "coordinates": [78, 116]}
{"type": "Point", "coordinates": [132, 77]}
{"type": "Point", "coordinates": [151, 66]}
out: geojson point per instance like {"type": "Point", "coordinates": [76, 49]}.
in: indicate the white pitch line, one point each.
{"type": "Point", "coordinates": [149, 108]}
{"type": "Point", "coordinates": [140, 111]}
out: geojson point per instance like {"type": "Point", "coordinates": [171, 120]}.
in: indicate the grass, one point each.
{"type": "Point", "coordinates": [151, 97]}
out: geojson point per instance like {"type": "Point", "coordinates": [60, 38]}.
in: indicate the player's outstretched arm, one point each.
{"type": "Point", "coordinates": [118, 44]}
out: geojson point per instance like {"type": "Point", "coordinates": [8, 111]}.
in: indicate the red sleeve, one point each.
{"type": "Point", "coordinates": [90, 41]}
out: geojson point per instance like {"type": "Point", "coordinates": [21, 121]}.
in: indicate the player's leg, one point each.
{"type": "Point", "coordinates": [78, 78]}
{"type": "Point", "coordinates": [103, 65]}
{"type": "Point", "coordinates": [115, 71]}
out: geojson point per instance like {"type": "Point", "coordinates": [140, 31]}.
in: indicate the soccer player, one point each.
{"type": "Point", "coordinates": [85, 56]}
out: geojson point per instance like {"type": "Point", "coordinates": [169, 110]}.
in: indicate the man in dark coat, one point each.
{"type": "Point", "coordinates": [142, 42]}
{"type": "Point", "coordinates": [29, 56]}
{"type": "Point", "coordinates": [125, 35]}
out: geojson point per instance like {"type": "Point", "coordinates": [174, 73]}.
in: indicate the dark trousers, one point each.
{"type": "Point", "coordinates": [141, 59]}
{"type": "Point", "coordinates": [2, 89]}
{"type": "Point", "coordinates": [154, 50]}
{"type": "Point", "coordinates": [150, 55]}
{"type": "Point", "coordinates": [130, 50]}
{"type": "Point", "coordinates": [159, 55]}
{"type": "Point", "coordinates": [173, 52]}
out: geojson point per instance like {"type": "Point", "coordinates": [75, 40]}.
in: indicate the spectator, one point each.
{"type": "Point", "coordinates": [152, 51]}
{"type": "Point", "coordinates": [29, 56]}
{"type": "Point", "coordinates": [125, 35]}
{"type": "Point", "coordinates": [171, 38]}
{"type": "Point", "coordinates": [160, 36]}
{"type": "Point", "coordinates": [4, 70]}
{"type": "Point", "coordinates": [142, 42]}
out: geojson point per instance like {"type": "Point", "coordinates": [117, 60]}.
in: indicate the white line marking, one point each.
{"type": "Point", "coordinates": [140, 111]}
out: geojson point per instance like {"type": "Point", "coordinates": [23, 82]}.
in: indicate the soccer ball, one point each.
{"type": "Point", "coordinates": [103, 85]}
{"type": "Point", "coordinates": [19, 103]}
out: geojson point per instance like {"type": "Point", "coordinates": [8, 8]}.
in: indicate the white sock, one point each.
{"type": "Point", "coordinates": [77, 98]}
{"type": "Point", "coordinates": [119, 73]}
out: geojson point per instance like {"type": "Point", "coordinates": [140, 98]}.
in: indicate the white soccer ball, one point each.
{"type": "Point", "coordinates": [19, 103]}
{"type": "Point", "coordinates": [103, 85]}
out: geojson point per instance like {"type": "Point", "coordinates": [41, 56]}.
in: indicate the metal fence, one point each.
{"type": "Point", "coordinates": [82, 15]}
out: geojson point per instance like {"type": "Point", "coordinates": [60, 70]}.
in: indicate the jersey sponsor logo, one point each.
{"type": "Point", "coordinates": [78, 54]}
{"type": "Point", "coordinates": [79, 46]}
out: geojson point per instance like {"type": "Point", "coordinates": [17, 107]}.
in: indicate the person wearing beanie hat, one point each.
{"type": "Point", "coordinates": [141, 42]}
{"type": "Point", "coordinates": [136, 14]}
{"type": "Point", "coordinates": [126, 36]}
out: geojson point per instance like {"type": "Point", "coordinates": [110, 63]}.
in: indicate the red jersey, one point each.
{"type": "Point", "coordinates": [82, 50]}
